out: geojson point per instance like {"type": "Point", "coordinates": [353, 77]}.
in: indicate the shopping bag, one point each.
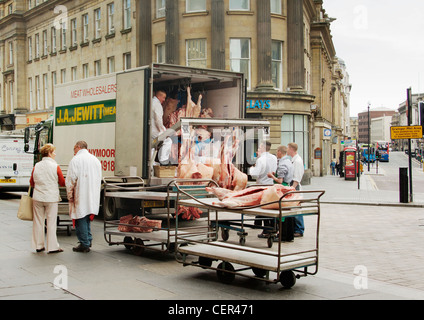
{"type": "Point", "coordinates": [25, 207]}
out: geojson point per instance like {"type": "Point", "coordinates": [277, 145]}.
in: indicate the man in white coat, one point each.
{"type": "Point", "coordinates": [83, 182]}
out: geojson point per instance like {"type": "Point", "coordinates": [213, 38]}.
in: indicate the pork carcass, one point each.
{"type": "Point", "coordinates": [193, 109]}
{"type": "Point", "coordinates": [253, 196]}
{"type": "Point", "coordinates": [229, 176]}
{"type": "Point", "coordinates": [275, 193]}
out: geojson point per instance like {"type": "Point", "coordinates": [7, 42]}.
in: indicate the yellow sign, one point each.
{"type": "Point", "coordinates": [406, 132]}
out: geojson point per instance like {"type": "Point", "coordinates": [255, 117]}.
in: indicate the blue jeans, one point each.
{"type": "Point", "coordinates": [299, 226]}
{"type": "Point", "coordinates": [83, 231]}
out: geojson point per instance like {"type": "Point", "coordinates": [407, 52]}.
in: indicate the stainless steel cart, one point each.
{"type": "Point", "coordinates": [160, 239]}
{"type": "Point", "coordinates": [262, 262]}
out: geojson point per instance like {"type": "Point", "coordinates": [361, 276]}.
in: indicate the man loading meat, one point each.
{"type": "Point", "coordinates": [158, 127]}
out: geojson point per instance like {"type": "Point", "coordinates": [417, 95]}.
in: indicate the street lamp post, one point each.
{"type": "Point", "coordinates": [369, 136]}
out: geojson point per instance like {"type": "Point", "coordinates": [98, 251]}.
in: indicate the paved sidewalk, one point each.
{"type": "Point", "coordinates": [367, 252]}
{"type": "Point", "coordinates": [341, 191]}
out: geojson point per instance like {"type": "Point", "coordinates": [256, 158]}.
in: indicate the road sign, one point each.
{"type": "Point", "coordinates": [406, 132]}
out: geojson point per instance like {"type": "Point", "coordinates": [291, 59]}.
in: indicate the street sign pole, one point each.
{"type": "Point", "coordinates": [409, 102]}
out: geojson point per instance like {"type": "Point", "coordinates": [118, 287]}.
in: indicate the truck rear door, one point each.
{"type": "Point", "coordinates": [132, 139]}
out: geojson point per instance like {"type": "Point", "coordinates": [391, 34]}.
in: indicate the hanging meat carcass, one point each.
{"type": "Point", "coordinates": [230, 177]}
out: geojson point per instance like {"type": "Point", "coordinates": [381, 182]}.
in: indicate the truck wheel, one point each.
{"type": "Point", "coordinates": [223, 275]}
{"type": "Point", "coordinates": [109, 209]}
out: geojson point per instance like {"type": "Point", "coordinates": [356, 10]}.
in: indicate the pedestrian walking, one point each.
{"type": "Point", "coordinates": [45, 178]}
{"type": "Point", "coordinates": [333, 168]}
{"type": "Point", "coordinates": [298, 172]}
{"type": "Point", "coordinates": [83, 181]}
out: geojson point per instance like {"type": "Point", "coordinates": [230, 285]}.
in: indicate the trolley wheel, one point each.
{"type": "Point", "coordinates": [138, 247]}
{"type": "Point", "coordinates": [225, 234]}
{"type": "Point", "coordinates": [205, 262]}
{"type": "Point", "coordinates": [128, 241]}
{"type": "Point", "coordinates": [270, 241]}
{"type": "Point", "coordinates": [287, 279]}
{"type": "Point", "coordinates": [223, 275]}
{"type": "Point", "coordinates": [242, 241]}
{"type": "Point", "coordinates": [259, 272]}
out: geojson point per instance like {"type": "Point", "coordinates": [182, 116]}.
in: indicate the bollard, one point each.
{"type": "Point", "coordinates": [403, 185]}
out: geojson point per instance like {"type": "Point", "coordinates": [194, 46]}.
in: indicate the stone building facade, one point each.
{"type": "Point", "coordinates": [284, 48]}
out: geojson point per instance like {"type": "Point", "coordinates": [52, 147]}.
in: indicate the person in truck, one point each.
{"type": "Point", "coordinates": [158, 127]}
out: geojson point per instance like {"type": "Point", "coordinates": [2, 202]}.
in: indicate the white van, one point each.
{"type": "Point", "coordinates": [15, 164]}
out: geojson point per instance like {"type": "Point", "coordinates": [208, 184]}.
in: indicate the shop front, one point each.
{"type": "Point", "coordinates": [290, 117]}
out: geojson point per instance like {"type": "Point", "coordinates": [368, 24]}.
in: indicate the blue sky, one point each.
{"type": "Point", "coordinates": [381, 42]}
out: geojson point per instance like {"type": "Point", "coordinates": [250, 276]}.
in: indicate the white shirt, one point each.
{"type": "Point", "coordinates": [266, 163]}
{"type": "Point", "coordinates": [299, 169]}
{"type": "Point", "coordinates": [83, 183]}
{"type": "Point", "coordinates": [46, 181]}
{"type": "Point", "coordinates": [157, 118]}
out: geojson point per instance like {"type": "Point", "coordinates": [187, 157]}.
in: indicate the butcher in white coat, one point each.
{"type": "Point", "coordinates": [83, 182]}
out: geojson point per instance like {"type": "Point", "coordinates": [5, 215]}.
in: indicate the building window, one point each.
{"type": "Point", "coordinates": [74, 32]}
{"type": "Point", "coordinates": [277, 64]}
{"type": "Point", "coordinates": [37, 46]}
{"type": "Point", "coordinates": [240, 5]}
{"type": "Point", "coordinates": [30, 48]}
{"type": "Point", "coordinates": [53, 40]}
{"type": "Point", "coordinates": [127, 61]}
{"type": "Point", "coordinates": [74, 74]}
{"type": "Point", "coordinates": [46, 91]}
{"type": "Point", "coordinates": [37, 92]}
{"type": "Point", "coordinates": [160, 53]}
{"type": "Point", "coordinates": [97, 68]}
{"type": "Point", "coordinates": [127, 14]}
{"type": "Point", "coordinates": [240, 57]}
{"type": "Point", "coordinates": [276, 7]}
{"type": "Point", "coordinates": [63, 75]}
{"type": "Point", "coordinates": [31, 102]}
{"type": "Point", "coordinates": [160, 8]}
{"type": "Point", "coordinates": [45, 43]}
{"type": "Point", "coordinates": [10, 52]}
{"type": "Point", "coordinates": [63, 35]}
{"type": "Point", "coordinates": [295, 128]}
{"type": "Point", "coordinates": [111, 64]}
{"type": "Point", "coordinates": [97, 23]}
{"type": "Point", "coordinates": [110, 15]}
{"type": "Point", "coordinates": [195, 5]}
{"type": "Point", "coordinates": [84, 28]}
{"type": "Point", "coordinates": [85, 72]}
{"type": "Point", "coordinates": [12, 99]}
{"type": "Point", "coordinates": [196, 53]}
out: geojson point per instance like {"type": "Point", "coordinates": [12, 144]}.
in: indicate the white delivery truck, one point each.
{"type": "Point", "coordinates": [112, 113]}
{"type": "Point", "coordinates": [15, 164]}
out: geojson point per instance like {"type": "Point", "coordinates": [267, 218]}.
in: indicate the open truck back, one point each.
{"type": "Point", "coordinates": [112, 113]}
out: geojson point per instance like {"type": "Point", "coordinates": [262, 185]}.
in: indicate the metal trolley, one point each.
{"type": "Point", "coordinates": [131, 187]}
{"type": "Point", "coordinates": [263, 263]}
